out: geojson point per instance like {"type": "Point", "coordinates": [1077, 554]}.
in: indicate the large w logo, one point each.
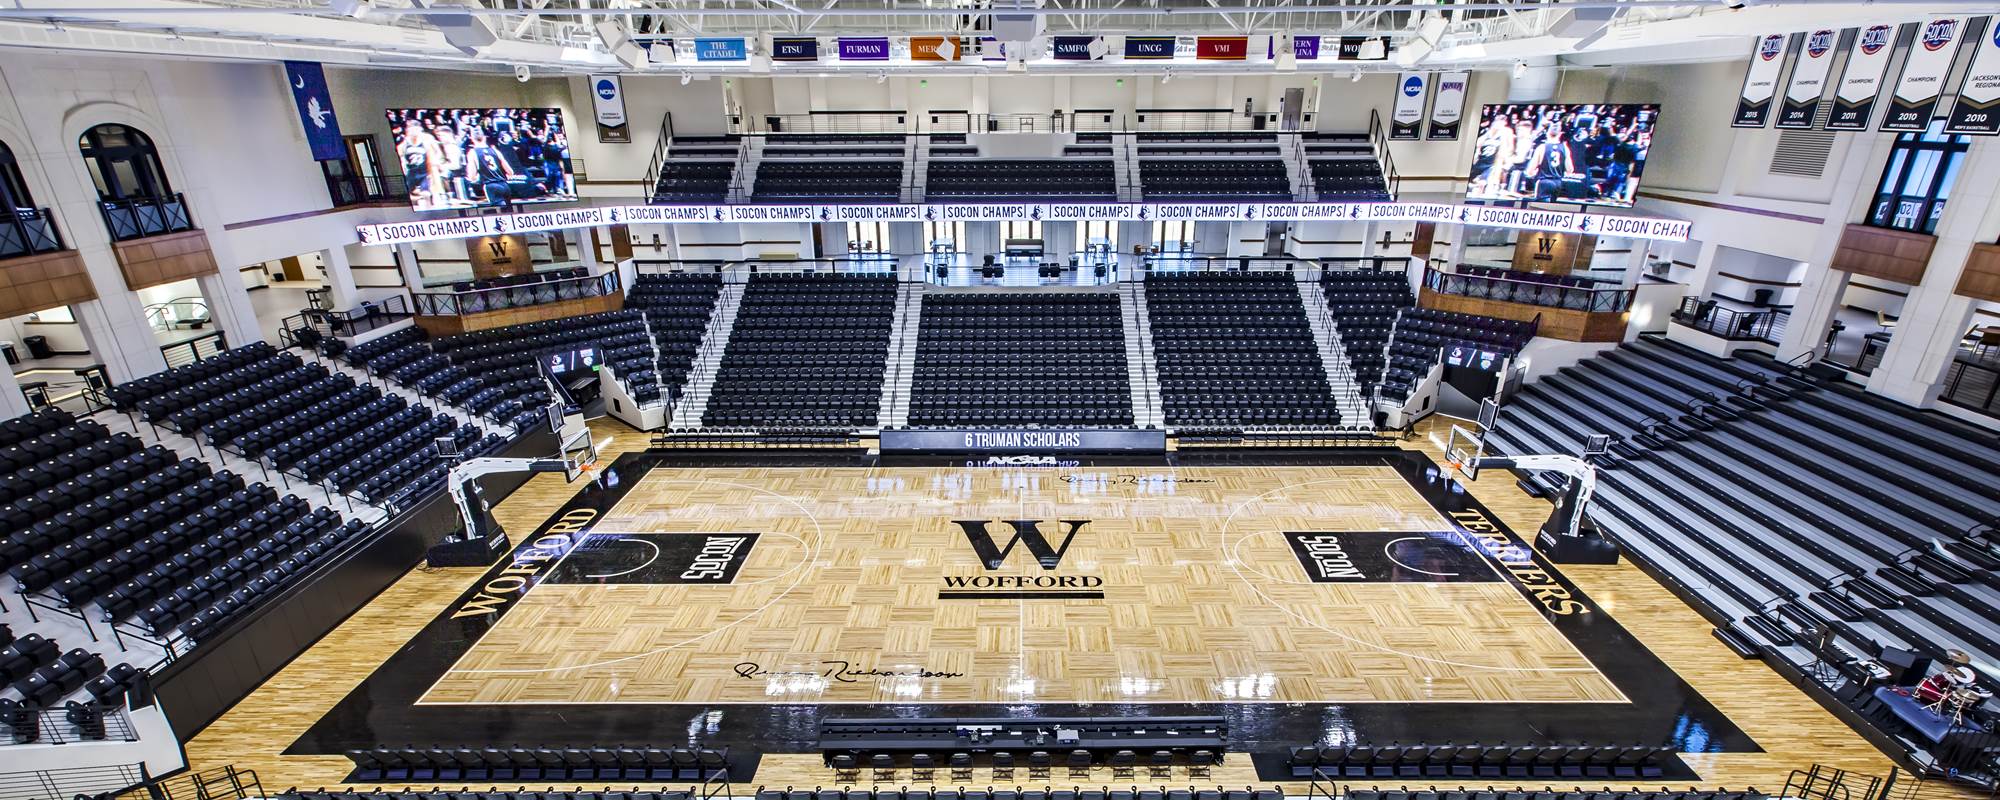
{"type": "Point", "coordinates": [1027, 533]}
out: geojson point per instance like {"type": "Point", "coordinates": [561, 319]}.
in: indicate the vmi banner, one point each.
{"type": "Point", "coordinates": [1672, 230]}
{"type": "Point", "coordinates": [1861, 79]}
{"type": "Point", "coordinates": [1977, 109]}
{"type": "Point", "coordinates": [1808, 83]}
{"type": "Point", "coordinates": [1760, 82]}
{"type": "Point", "coordinates": [1924, 71]}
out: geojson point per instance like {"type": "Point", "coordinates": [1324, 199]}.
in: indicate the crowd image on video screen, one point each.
{"type": "Point", "coordinates": [474, 157]}
{"type": "Point", "coordinates": [1589, 153]}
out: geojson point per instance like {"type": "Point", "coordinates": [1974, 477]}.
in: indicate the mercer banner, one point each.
{"type": "Point", "coordinates": [1670, 230]}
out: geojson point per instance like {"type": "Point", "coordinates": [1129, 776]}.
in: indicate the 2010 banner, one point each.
{"type": "Point", "coordinates": [1527, 219]}
{"type": "Point", "coordinates": [1760, 81]}
{"type": "Point", "coordinates": [1977, 109]}
{"type": "Point", "coordinates": [1924, 70]}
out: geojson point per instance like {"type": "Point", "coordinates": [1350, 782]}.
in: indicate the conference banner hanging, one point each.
{"type": "Point", "coordinates": [1352, 47]}
{"type": "Point", "coordinates": [934, 48]}
{"type": "Point", "coordinates": [315, 105]}
{"type": "Point", "coordinates": [1222, 48]}
{"type": "Point", "coordinates": [1149, 48]}
{"type": "Point", "coordinates": [717, 49]}
{"type": "Point", "coordinates": [1072, 48]}
{"type": "Point", "coordinates": [1977, 109]}
{"type": "Point", "coordinates": [1924, 71]}
{"type": "Point", "coordinates": [795, 49]}
{"type": "Point", "coordinates": [1406, 119]}
{"type": "Point", "coordinates": [864, 48]}
{"type": "Point", "coordinates": [1671, 230]}
{"type": "Point", "coordinates": [1448, 107]}
{"type": "Point", "coordinates": [1861, 79]}
{"type": "Point", "coordinates": [1808, 83]}
{"type": "Point", "coordinates": [1760, 81]}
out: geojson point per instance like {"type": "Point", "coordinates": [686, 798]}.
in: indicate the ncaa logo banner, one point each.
{"type": "Point", "coordinates": [1924, 70]}
{"type": "Point", "coordinates": [1808, 82]}
{"type": "Point", "coordinates": [1760, 81]}
{"type": "Point", "coordinates": [607, 98]}
{"type": "Point", "coordinates": [1659, 229]}
{"type": "Point", "coordinates": [1448, 107]}
{"type": "Point", "coordinates": [1407, 117]}
{"type": "Point", "coordinates": [1861, 79]}
{"type": "Point", "coordinates": [1977, 109]}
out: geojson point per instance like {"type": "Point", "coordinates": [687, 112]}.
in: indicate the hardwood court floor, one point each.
{"type": "Point", "coordinates": [1793, 730]}
{"type": "Point", "coordinates": [856, 591]}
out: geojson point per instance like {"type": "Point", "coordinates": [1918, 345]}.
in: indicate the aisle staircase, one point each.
{"type": "Point", "coordinates": [708, 361]}
{"type": "Point", "coordinates": [1140, 367]}
{"type": "Point", "coordinates": [1125, 167]}
{"type": "Point", "coordinates": [896, 377]}
{"type": "Point", "coordinates": [1347, 390]}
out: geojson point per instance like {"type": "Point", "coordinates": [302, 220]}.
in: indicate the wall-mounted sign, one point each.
{"type": "Point", "coordinates": [1808, 83]}
{"type": "Point", "coordinates": [1448, 107]}
{"type": "Point", "coordinates": [1364, 48]}
{"type": "Point", "coordinates": [1149, 48]}
{"type": "Point", "coordinates": [1861, 79]}
{"type": "Point", "coordinates": [1305, 48]}
{"type": "Point", "coordinates": [720, 49]}
{"type": "Point", "coordinates": [866, 48]}
{"type": "Point", "coordinates": [795, 49]}
{"type": "Point", "coordinates": [1406, 119]}
{"type": "Point", "coordinates": [1039, 440]}
{"type": "Point", "coordinates": [1760, 81]}
{"type": "Point", "coordinates": [1977, 109]}
{"type": "Point", "coordinates": [1637, 227]}
{"type": "Point", "coordinates": [1924, 69]}
{"type": "Point", "coordinates": [1072, 48]}
{"type": "Point", "coordinates": [934, 48]}
{"type": "Point", "coordinates": [607, 100]}
{"type": "Point", "coordinates": [1222, 48]}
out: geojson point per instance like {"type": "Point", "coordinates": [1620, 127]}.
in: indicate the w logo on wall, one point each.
{"type": "Point", "coordinates": [498, 247]}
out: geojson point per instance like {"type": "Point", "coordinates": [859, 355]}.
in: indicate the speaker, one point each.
{"type": "Point", "coordinates": [1906, 667]}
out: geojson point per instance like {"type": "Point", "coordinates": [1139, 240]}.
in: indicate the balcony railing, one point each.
{"type": "Point", "coordinates": [354, 190]}
{"type": "Point", "coordinates": [1709, 317]}
{"type": "Point", "coordinates": [469, 299]}
{"type": "Point", "coordinates": [187, 352]}
{"type": "Point", "coordinates": [1974, 386]}
{"type": "Point", "coordinates": [1529, 291]}
{"type": "Point", "coordinates": [30, 231]}
{"type": "Point", "coordinates": [140, 217]}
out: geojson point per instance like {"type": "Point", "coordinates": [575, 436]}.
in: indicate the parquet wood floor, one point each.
{"type": "Point", "coordinates": [1792, 729]}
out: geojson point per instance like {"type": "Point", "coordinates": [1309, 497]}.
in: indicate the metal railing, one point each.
{"type": "Point", "coordinates": [140, 217]}
{"type": "Point", "coordinates": [1206, 120]}
{"type": "Point", "coordinates": [29, 231]}
{"type": "Point", "coordinates": [660, 145]}
{"type": "Point", "coordinates": [474, 301]}
{"type": "Point", "coordinates": [1305, 269]}
{"type": "Point", "coordinates": [56, 726]}
{"type": "Point", "coordinates": [1974, 386]}
{"type": "Point", "coordinates": [1709, 317]}
{"type": "Point", "coordinates": [191, 311]}
{"type": "Point", "coordinates": [78, 390]}
{"type": "Point", "coordinates": [325, 323]}
{"type": "Point", "coordinates": [836, 122]}
{"type": "Point", "coordinates": [1378, 143]}
{"type": "Point", "coordinates": [62, 784]}
{"type": "Point", "coordinates": [1529, 291]}
{"type": "Point", "coordinates": [184, 353]}
{"type": "Point", "coordinates": [354, 190]}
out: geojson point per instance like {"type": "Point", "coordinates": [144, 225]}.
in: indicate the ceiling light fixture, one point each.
{"type": "Point", "coordinates": [687, 78]}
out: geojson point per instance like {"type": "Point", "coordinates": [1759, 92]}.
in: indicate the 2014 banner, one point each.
{"type": "Point", "coordinates": [1861, 79]}
{"type": "Point", "coordinates": [1760, 81]}
{"type": "Point", "coordinates": [1808, 83]}
{"type": "Point", "coordinates": [1671, 230]}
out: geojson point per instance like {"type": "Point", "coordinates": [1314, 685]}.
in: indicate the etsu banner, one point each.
{"type": "Point", "coordinates": [795, 49]}
{"type": "Point", "coordinates": [1808, 83]}
{"type": "Point", "coordinates": [1924, 71]}
{"type": "Point", "coordinates": [1760, 82]}
{"type": "Point", "coordinates": [1671, 230]}
{"type": "Point", "coordinates": [315, 104]}
{"type": "Point", "coordinates": [1977, 109]}
{"type": "Point", "coordinates": [1861, 79]}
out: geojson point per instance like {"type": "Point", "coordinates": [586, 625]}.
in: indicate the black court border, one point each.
{"type": "Point", "coordinates": [1663, 710]}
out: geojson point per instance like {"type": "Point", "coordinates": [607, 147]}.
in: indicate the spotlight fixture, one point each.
{"type": "Point", "coordinates": [1354, 76]}
{"type": "Point", "coordinates": [687, 78]}
{"type": "Point", "coordinates": [1520, 70]}
{"type": "Point", "coordinates": [1167, 76]}
{"type": "Point", "coordinates": [881, 77]}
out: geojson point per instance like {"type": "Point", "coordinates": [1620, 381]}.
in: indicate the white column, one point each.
{"type": "Point", "coordinates": [406, 262]}
{"type": "Point", "coordinates": [12, 402]}
{"type": "Point", "coordinates": [340, 278]}
{"type": "Point", "coordinates": [229, 306]}
{"type": "Point", "coordinates": [1861, 165]}
{"type": "Point", "coordinates": [586, 246]}
{"type": "Point", "coordinates": [1934, 318]}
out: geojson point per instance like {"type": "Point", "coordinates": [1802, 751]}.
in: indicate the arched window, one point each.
{"type": "Point", "coordinates": [24, 229]}
{"type": "Point", "coordinates": [123, 163]}
{"type": "Point", "coordinates": [13, 188]}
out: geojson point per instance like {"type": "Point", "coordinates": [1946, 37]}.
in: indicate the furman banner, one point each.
{"type": "Point", "coordinates": [1861, 79]}
{"type": "Point", "coordinates": [1924, 70]}
{"type": "Point", "coordinates": [1808, 83]}
{"type": "Point", "coordinates": [1448, 107]}
{"type": "Point", "coordinates": [1406, 120]}
{"type": "Point", "coordinates": [1977, 109]}
{"type": "Point", "coordinates": [1760, 82]}
{"type": "Point", "coordinates": [1671, 230]}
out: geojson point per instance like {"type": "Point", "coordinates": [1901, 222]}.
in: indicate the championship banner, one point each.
{"type": "Point", "coordinates": [1670, 230]}
{"type": "Point", "coordinates": [713, 49]}
{"type": "Point", "coordinates": [934, 48]}
{"type": "Point", "coordinates": [1808, 83]}
{"type": "Point", "coordinates": [1407, 118]}
{"type": "Point", "coordinates": [866, 48]}
{"type": "Point", "coordinates": [1977, 109]}
{"type": "Point", "coordinates": [1861, 80]}
{"type": "Point", "coordinates": [607, 98]}
{"type": "Point", "coordinates": [795, 49]}
{"type": "Point", "coordinates": [1448, 107]}
{"type": "Point", "coordinates": [1149, 48]}
{"type": "Point", "coordinates": [1924, 70]}
{"type": "Point", "coordinates": [1760, 82]}
{"type": "Point", "coordinates": [315, 104]}
{"type": "Point", "coordinates": [1072, 48]}
{"type": "Point", "coordinates": [1222, 48]}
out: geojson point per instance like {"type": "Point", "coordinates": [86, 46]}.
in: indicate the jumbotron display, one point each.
{"type": "Point", "coordinates": [490, 157]}
{"type": "Point", "coordinates": [1590, 153]}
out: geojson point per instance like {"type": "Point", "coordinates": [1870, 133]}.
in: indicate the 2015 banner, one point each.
{"type": "Point", "coordinates": [1977, 109]}
{"type": "Point", "coordinates": [1448, 107]}
{"type": "Point", "coordinates": [1672, 230]}
{"type": "Point", "coordinates": [1760, 81]}
{"type": "Point", "coordinates": [1406, 118]}
{"type": "Point", "coordinates": [1808, 83]}
{"type": "Point", "coordinates": [1924, 70]}
{"type": "Point", "coordinates": [1861, 79]}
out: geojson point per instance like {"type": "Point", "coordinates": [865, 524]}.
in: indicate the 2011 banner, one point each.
{"type": "Point", "coordinates": [1861, 79]}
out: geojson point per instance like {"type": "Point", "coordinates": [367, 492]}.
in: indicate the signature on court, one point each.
{"type": "Point", "coordinates": [1129, 479]}
{"type": "Point", "coordinates": [842, 671]}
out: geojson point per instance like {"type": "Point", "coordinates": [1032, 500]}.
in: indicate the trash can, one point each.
{"type": "Point", "coordinates": [1761, 298]}
{"type": "Point", "coordinates": [7, 349]}
{"type": "Point", "coordinates": [38, 346]}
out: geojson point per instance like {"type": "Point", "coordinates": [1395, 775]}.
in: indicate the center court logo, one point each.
{"type": "Point", "coordinates": [1029, 536]}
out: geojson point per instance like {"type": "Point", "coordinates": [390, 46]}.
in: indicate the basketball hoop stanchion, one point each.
{"type": "Point", "coordinates": [1568, 536]}
{"type": "Point", "coordinates": [480, 541]}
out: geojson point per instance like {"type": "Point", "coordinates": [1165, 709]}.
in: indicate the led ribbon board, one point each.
{"type": "Point", "coordinates": [1637, 227]}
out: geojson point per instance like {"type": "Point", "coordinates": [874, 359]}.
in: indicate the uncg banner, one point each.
{"type": "Point", "coordinates": [315, 105]}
